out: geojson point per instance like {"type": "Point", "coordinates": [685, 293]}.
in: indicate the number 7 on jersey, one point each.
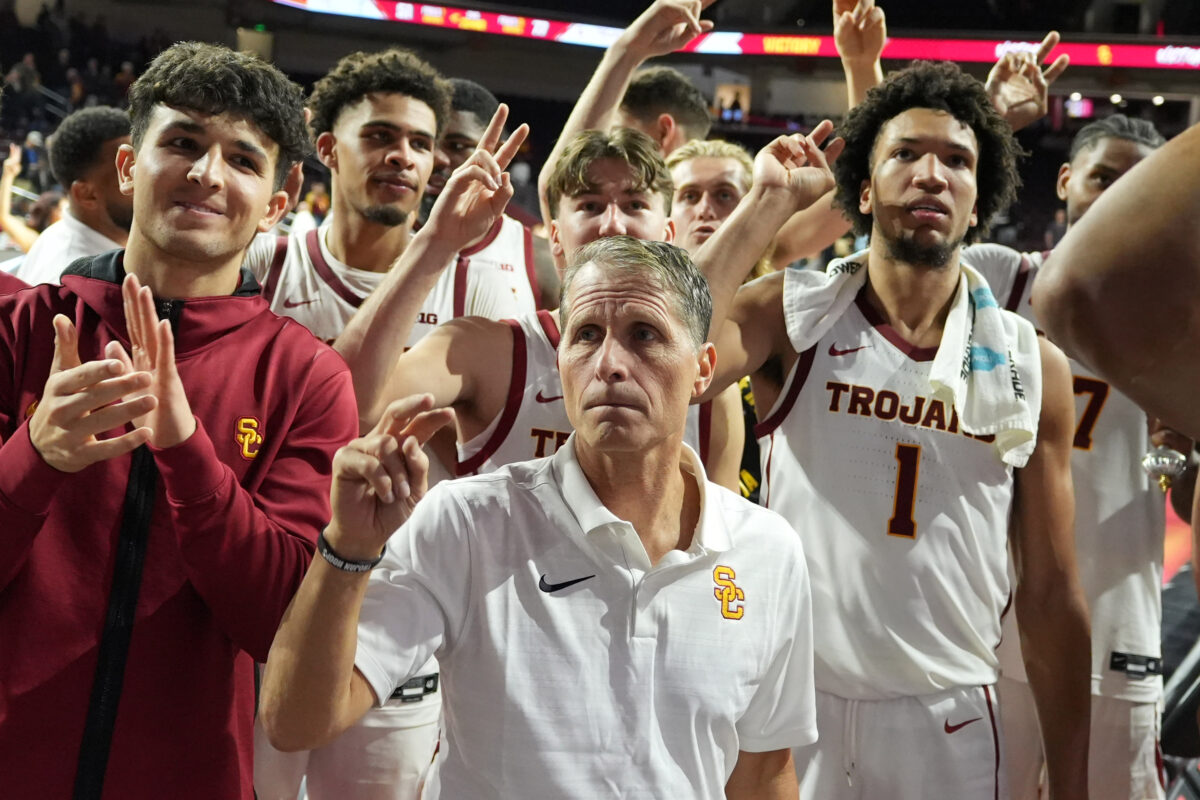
{"type": "Point", "coordinates": [908, 469]}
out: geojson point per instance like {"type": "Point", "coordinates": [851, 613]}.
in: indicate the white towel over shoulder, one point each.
{"type": "Point", "coordinates": [988, 365]}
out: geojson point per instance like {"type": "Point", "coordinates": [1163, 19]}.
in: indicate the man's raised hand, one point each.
{"type": "Point", "coordinates": [665, 26]}
{"type": "Point", "coordinates": [379, 478]}
{"type": "Point", "coordinates": [1019, 88]}
{"type": "Point", "coordinates": [859, 30]}
{"type": "Point", "coordinates": [479, 190]}
{"type": "Point", "coordinates": [798, 164]}
{"type": "Point", "coordinates": [82, 401]}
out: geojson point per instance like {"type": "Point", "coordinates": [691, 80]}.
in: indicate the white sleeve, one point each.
{"type": "Point", "coordinates": [260, 254]}
{"type": "Point", "coordinates": [417, 597]}
{"type": "Point", "coordinates": [783, 711]}
{"type": "Point", "coordinates": [497, 294]}
{"type": "Point", "coordinates": [999, 266]}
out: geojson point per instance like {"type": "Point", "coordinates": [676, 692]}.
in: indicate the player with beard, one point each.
{"type": "Point", "coordinates": [83, 157]}
{"type": "Point", "coordinates": [376, 119]}
{"type": "Point", "coordinates": [905, 420]}
{"type": "Point", "coordinates": [510, 245]}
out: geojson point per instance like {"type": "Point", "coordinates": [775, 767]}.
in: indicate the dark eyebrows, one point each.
{"type": "Point", "coordinates": [953, 145]}
{"type": "Point", "coordinates": [190, 126]}
{"type": "Point", "coordinates": [391, 126]}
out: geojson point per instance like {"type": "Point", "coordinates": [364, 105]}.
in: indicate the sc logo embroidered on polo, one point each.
{"type": "Point", "coordinates": [248, 437]}
{"type": "Point", "coordinates": [728, 593]}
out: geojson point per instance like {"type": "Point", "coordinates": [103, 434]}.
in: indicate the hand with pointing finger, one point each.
{"type": "Point", "coordinates": [797, 164]}
{"type": "Point", "coordinates": [379, 478]}
{"type": "Point", "coordinates": [859, 30]}
{"type": "Point", "coordinates": [1019, 88]}
{"type": "Point", "coordinates": [83, 401]}
{"type": "Point", "coordinates": [478, 191]}
{"type": "Point", "coordinates": [664, 27]}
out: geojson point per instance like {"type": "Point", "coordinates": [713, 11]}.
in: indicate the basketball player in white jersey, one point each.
{"type": "Point", "coordinates": [376, 117]}
{"type": "Point", "coordinates": [501, 378]}
{"type": "Point", "coordinates": [1119, 520]}
{"type": "Point", "coordinates": [510, 245]}
{"type": "Point", "coordinates": [904, 516]}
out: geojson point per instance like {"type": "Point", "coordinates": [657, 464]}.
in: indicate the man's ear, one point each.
{"type": "Point", "coordinates": [556, 247]}
{"type": "Point", "coordinates": [125, 163]}
{"type": "Point", "coordinates": [669, 231]}
{"type": "Point", "coordinates": [1064, 177]}
{"type": "Point", "coordinates": [664, 132]}
{"type": "Point", "coordinates": [277, 206]}
{"type": "Point", "coordinates": [326, 150]}
{"type": "Point", "coordinates": [707, 361]}
{"type": "Point", "coordinates": [81, 194]}
{"type": "Point", "coordinates": [974, 216]}
{"type": "Point", "coordinates": [864, 198]}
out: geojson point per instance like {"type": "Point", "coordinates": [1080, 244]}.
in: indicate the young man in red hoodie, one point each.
{"type": "Point", "coordinates": [166, 454]}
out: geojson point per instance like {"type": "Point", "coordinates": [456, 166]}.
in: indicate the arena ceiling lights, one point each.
{"type": "Point", "coordinates": [1091, 54]}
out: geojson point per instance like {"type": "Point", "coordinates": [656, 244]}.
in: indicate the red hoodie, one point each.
{"type": "Point", "coordinates": [231, 521]}
{"type": "Point", "coordinates": [10, 283]}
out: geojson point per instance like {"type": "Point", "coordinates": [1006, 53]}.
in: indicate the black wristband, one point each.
{"type": "Point", "coordinates": [345, 564]}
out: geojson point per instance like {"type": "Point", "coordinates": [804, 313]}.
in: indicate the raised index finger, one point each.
{"type": "Point", "coordinates": [491, 137]}
{"type": "Point", "coordinates": [1048, 44]}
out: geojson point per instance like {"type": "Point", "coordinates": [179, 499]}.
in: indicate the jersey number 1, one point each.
{"type": "Point", "coordinates": [908, 467]}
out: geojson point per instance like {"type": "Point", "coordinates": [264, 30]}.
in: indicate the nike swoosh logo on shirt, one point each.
{"type": "Point", "coordinates": [952, 728]}
{"type": "Point", "coordinates": [833, 351]}
{"type": "Point", "coordinates": [548, 587]}
{"type": "Point", "coordinates": [290, 304]}
{"type": "Point", "coordinates": [542, 399]}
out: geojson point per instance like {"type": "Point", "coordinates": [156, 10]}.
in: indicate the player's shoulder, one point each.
{"type": "Point", "coordinates": [752, 526]}
{"type": "Point", "coordinates": [510, 490]}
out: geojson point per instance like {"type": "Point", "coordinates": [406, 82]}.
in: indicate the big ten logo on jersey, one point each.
{"type": "Point", "coordinates": [248, 435]}
{"type": "Point", "coordinates": [507, 268]}
{"type": "Point", "coordinates": [547, 442]}
{"type": "Point", "coordinates": [886, 405]}
{"type": "Point", "coordinates": [728, 592]}
{"type": "Point", "coordinates": [427, 318]}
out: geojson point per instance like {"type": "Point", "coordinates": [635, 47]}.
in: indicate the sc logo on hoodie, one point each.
{"type": "Point", "coordinates": [248, 437]}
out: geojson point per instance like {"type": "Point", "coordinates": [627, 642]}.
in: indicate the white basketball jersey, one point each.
{"type": "Point", "coordinates": [301, 279]}
{"type": "Point", "coordinates": [1120, 515]}
{"type": "Point", "coordinates": [533, 422]}
{"type": "Point", "coordinates": [904, 518]}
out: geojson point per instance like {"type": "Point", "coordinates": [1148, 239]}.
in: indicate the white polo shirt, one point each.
{"type": "Point", "coordinates": [571, 667]}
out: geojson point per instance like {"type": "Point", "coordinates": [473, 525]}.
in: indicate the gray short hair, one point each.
{"type": "Point", "coordinates": [672, 267]}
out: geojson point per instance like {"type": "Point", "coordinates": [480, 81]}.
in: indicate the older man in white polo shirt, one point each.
{"type": "Point", "coordinates": [609, 623]}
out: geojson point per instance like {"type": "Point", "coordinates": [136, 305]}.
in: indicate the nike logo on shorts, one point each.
{"type": "Point", "coordinates": [548, 587]}
{"type": "Point", "coordinates": [955, 728]}
{"type": "Point", "coordinates": [290, 304]}
{"type": "Point", "coordinates": [542, 399]}
{"type": "Point", "coordinates": [833, 351]}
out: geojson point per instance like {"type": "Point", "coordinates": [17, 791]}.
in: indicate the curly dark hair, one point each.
{"type": "Point", "coordinates": [76, 144]}
{"type": "Point", "coordinates": [212, 79]}
{"type": "Point", "coordinates": [938, 85]}
{"type": "Point", "coordinates": [359, 74]}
